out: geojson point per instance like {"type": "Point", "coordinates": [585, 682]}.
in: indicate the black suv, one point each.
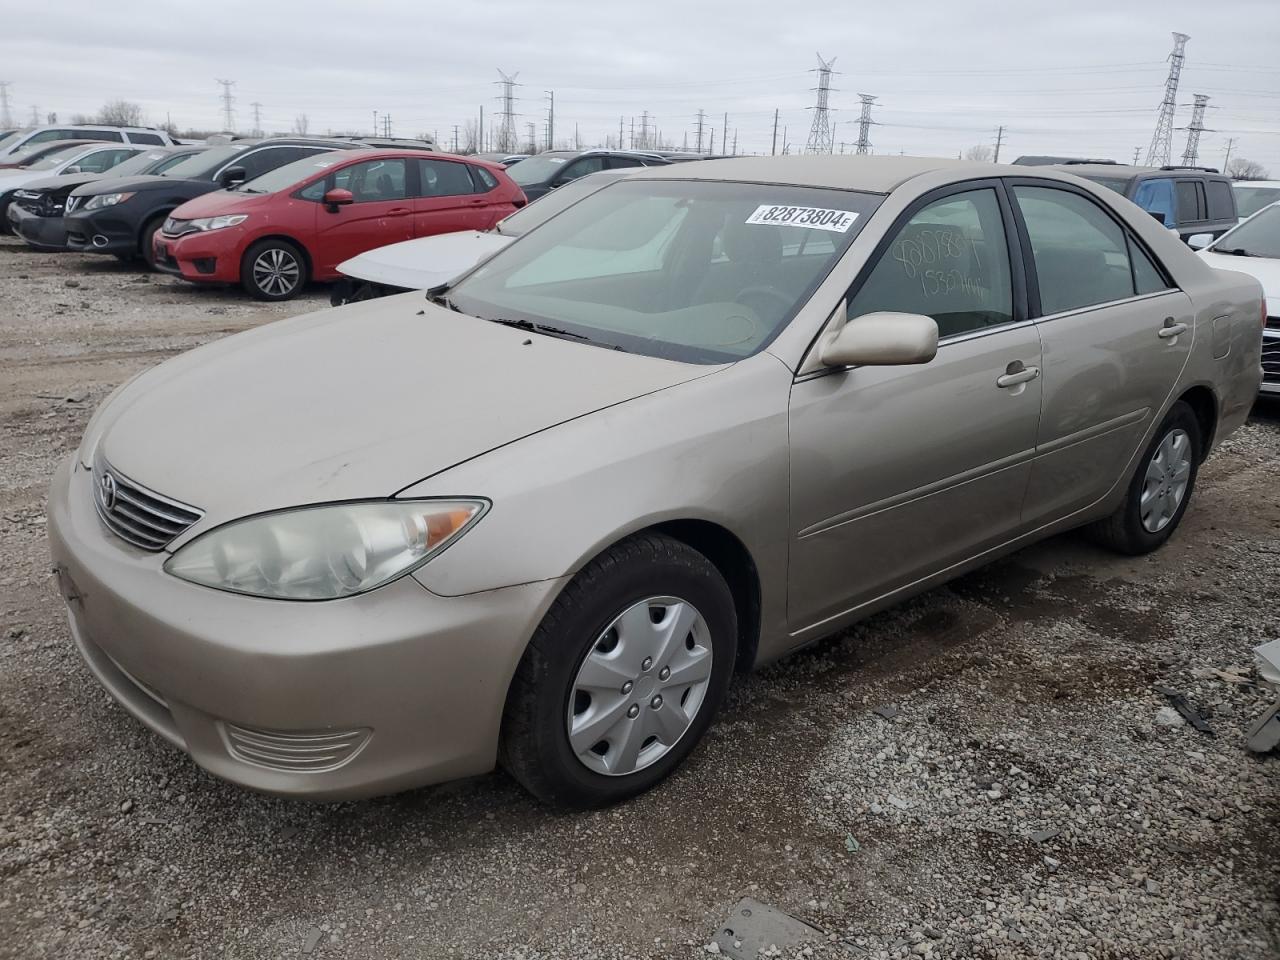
{"type": "Point", "coordinates": [546, 171]}
{"type": "Point", "coordinates": [120, 216]}
{"type": "Point", "coordinates": [1189, 200]}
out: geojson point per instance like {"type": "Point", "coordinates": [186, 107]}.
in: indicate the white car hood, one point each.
{"type": "Point", "coordinates": [426, 262]}
{"type": "Point", "coordinates": [1265, 270]}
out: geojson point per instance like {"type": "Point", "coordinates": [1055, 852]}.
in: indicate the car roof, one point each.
{"type": "Point", "coordinates": [1256, 183]}
{"type": "Point", "coordinates": [1128, 170]}
{"type": "Point", "coordinates": [868, 174]}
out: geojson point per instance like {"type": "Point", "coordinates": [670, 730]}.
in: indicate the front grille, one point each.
{"type": "Point", "coordinates": [298, 752]}
{"type": "Point", "coordinates": [135, 514]}
{"type": "Point", "coordinates": [177, 228]}
{"type": "Point", "coordinates": [72, 203]}
{"type": "Point", "coordinates": [1273, 323]}
{"type": "Point", "coordinates": [1271, 359]}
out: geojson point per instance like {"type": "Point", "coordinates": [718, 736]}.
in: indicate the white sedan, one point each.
{"type": "Point", "coordinates": [1253, 247]}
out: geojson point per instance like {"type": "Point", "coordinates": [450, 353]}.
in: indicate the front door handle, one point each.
{"type": "Point", "coordinates": [1017, 373]}
{"type": "Point", "coordinates": [1171, 329]}
{"type": "Point", "coordinates": [399, 212]}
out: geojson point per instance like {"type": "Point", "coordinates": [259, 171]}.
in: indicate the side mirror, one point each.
{"type": "Point", "coordinates": [1198, 241]}
{"type": "Point", "coordinates": [231, 176]}
{"type": "Point", "coordinates": [881, 339]}
{"type": "Point", "coordinates": [337, 197]}
{"type": "Point", "coordinates": [74, 168]}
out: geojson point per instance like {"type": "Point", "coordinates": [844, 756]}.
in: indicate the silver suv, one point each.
{"type": "Point", "coordinates": [20, 141]}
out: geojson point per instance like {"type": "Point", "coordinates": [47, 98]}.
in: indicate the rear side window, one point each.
{"type": "Point", "coordinates": [949, 262]}
{"type": "Point", "coordinates": [147, 138]}
{"type": "Point", "coordinates": [1156, 196]}
{"type": "Point", "coordinates": [1081, 255]}
{"type": "Point", "coordinates": [1190, 201]}
{"type": "Point", "coordinates": [1222, 204]}
{"type": "Point", "coordinates": [617, 163]}
{"type": "Point", "coordinates": [443, 178]}
{"type": "Point", "coordinates": [485, 181]}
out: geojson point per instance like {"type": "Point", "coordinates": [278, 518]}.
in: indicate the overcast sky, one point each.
{"type": "Point", "coordinates": [1079, 78]}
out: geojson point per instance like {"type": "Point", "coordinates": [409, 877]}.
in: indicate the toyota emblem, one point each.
{"type": "Point", "coordinates": [108, 485]}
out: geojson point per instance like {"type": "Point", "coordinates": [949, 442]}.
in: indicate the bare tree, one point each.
{"type": "Point", "coordinates": [1242, 169]}
{"type": "Point", "coordinates": [301, 124]}
{"type": "Point", "coordinates": [980, 153]}
{"type": "Point", "coordinates": [121, 113]}
{"type": "Point", "coordinates": [469, 137]}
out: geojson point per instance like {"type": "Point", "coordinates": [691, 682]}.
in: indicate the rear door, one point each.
{"type": "Point", "coordinates": [447, 199]}
{"type": "Point", "coordinates": [1116, 336]}
{"type": "Point", "coordinates": [899, 472]}
{"type": "Point", "coordinates": [381, 211]}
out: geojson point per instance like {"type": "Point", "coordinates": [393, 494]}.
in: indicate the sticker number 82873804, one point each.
{"type": "Point", "coordinates": [816, 218]}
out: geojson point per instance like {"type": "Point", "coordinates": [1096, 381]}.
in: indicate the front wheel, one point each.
{"type": "Point", "coordinates": [273, 270]}
{"type": "Point", "coordinates": [623, 676]}
{"type": "Point", "coordinates": [1159, 490]}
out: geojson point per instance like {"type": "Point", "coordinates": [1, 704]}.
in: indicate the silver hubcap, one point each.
{"type": "Point", "coordinates": [640, 686]}
{"type": "Point", "coordinates": [276, 272]}
{"type": "Point", "coordinates": [1166, 481]}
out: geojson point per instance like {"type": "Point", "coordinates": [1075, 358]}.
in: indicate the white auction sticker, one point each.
{"type": "Point", "coordinates": [816, 218]}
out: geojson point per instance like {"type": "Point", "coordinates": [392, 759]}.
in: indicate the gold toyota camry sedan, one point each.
{"type": "Point", "coordinates": [539, 516]}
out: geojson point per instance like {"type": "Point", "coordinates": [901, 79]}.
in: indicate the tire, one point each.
{"type": "Point", "coordinates": [1126, 530]}
{"type": "Point", "coordinates": [680, 586]}
{"type": "Point", "coordinates": [147, 241]}
{"type": "Point", "coordinates": [262, 282]}
{"type": "Point", "coordinates": [125, 257]}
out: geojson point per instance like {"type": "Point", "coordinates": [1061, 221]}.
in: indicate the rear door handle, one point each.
{"type": "Point", "coordinates": [1017, 374]}
{"type": "Point", "coordinates": [399, 212]}
{"type": "Point", "coordinates": [1171, 328]}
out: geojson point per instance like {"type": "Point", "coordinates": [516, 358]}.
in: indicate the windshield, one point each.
{"type": "Point", "coordinates": [138, 163]}
{"type": "Point", "coordinates": [202, 165]}
{"type": "Point", "coordinates": [282, 178]}
{"type": "Point", "coordinates": [696, 271]}
{"type": "Point", "coordinates": [51, 160]}
{"type": "Point", "coordinates": [1259, 236]}
{"type": "Point", "coordinates": [547, 206]}
{"type": "Point", "coordinates": [1249, 200]}
{"type": "Point", "coordinates": [537, 169]}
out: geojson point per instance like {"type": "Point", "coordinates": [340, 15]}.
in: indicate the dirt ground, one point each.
{"type": "Point", "coordinates": [1028, 798]}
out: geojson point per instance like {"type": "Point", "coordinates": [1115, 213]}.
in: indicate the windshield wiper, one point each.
{"type": "Point", "coordinates": [1234, 251]}
{"type": "Point", "coordinates": [436, 295]}
{"type": "Point", "coordinates": [538, 328]}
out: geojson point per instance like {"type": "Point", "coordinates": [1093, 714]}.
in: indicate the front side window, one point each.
{"type": "Point", "coordinates": [1190, 204]}
{"type": "Point", "coordinates": [635, 265]}
{"type": "Point", "coordinates": [949, 262]}
{"type": "Point", "coordinates": [537, 169]}
{"type": "Point", "coordinates": [287, 175]}
{"type": "Point", "coordinates": [373, 181]}
{"type": "Point", "coordinates": [1156, 196]}
{"type": "Point", "coordinates": [1081, 255]}
{"type": "Point", "coordinates": [443, 178]}
{"type": "Point", "coordinates": [580, 168]}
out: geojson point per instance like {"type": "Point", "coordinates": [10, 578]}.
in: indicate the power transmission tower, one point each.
{"type": "Point", "coordinates": [1162, 139]}
{"type": "Point", "coordinates": [1226, 161]}
{"type": "Point", "coordinates": [507, 125]}
{"type": "Point", "coordinates": [228, 108]}
{"type": "Point", "coordinates": [702, 119]}
{"type": "Point", "coordinates": [532, 129]}
{"type": "Point", "coordinates": [551, 120]}
{"type": "Point", "coordinates": [864, 123]}
{"type": "Point", "coordinates": [386, 125]}
{"type": "Point", "coordinates": [820, 132]}
{"type": "Point", "coordinates": [644, 130]}
{"type": "Point", "coordinates": [999, 144]}
{"type": "Point", "coordinates": [1191, 154]}
{"type": "Point", "coordinates": [257, 118]}
{"type": "Point", "coordinates": [773, 151]}
{"type": "Point", "coordinates": [6, 118]}
{"type": "Point", "coordinates": [735, 141]}
{"type": "Point", "coordinates": [620, 133]}
{"type": "Point", "coordinates": [35, 116]}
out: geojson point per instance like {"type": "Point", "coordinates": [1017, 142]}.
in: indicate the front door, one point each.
{"type": "Point", "coordinates": [1116, 336]}
{"type": "Point", "coordinates": [381, 212]}
{"type": "Point", "coordinates": [898, 472]}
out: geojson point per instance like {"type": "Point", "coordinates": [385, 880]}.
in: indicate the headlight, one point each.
{"type": "Point", "coordinates": [217, 223]}
{"type": "Point", "coordinates": [106, 200]}
{"type": "Point", "coordinates": [324, 552]}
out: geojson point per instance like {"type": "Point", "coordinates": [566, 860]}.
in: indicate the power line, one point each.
{"type": "Point", "coordinates": [864, 124]}
{"type": "Point", "coordinates": [1162, 139]}
{"type": "Point", "coordinates": [820, 132]}
{"type": "Point", "coordinates": [1191, 154]}
{"type": "Point", "coordinates": [228, 110]}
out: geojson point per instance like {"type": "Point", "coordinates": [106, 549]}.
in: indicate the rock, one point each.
{"type": "Point", "coordinates": [886, 710]}
{"type": "Point", "coordinates": [1051, 863]}
{"type": "Point", "coordinates": [71, 283]}
{"type": "Point", "coordinates": [712, 947]}
{"type": "Point", "coordinates": [1168, 717]}
{"type": "Point", "coordinates": [1152, 886]}
{"type": "Point", "coordinates": [126, 807]}
{"type": "Point", "coordinates": [1040, 836]}
{"type": "Point", "coordinates": [313, 939]}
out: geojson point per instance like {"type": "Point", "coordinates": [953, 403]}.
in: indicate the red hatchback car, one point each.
{"type": "Point", "coordinates": [298, 222]}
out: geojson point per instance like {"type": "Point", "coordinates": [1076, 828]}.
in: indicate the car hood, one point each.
{"type": "Point", "coordinates": [18, 179]}
{"type": "Point", "coordinates": [68, 182]}
{"type": "Point", "coordinates": [356, 402]}
{"type": "Point", "coordinates": [221, 202]}
{"type": "Point", "coordinates": [423, 263]}
{"type": "Point", "coordinates": [1265, 270]}
{"type": "Point", "coordinates": [150, 181]}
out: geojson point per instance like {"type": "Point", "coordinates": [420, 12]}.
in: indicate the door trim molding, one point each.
{"type": "Point", "coordinates": [1089, 433]}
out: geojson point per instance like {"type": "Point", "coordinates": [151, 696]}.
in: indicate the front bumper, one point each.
{"type": "Point", "coordinates": [208, 257]}
{"type": "Point", "coordinates": [100, 231]}
{"type": "Point", "coordinates": [44, 233]}
{"type": "Point", "coordinates": [333, 700]}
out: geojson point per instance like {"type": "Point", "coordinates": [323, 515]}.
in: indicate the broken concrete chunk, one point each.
{"type": "Point", "coordinates": [886, 710]}
{"type": "Point", "coordinates": [755, 930]}
{"type": "Point", "coordinates": [312, 941]}
{"type": "Point", "coordinates": [1040, 836]}
{"type": "Point", "coordinates": [1189, 713]}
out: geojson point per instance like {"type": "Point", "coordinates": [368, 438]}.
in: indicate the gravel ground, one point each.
{"type": "Point", "coordinates": [1028, 795]}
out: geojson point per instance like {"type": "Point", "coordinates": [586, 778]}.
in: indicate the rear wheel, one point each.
{"type": "Point", "coordinates": [273, 270]}
{"type": "Point", "coordinates": [1160, 489]}
{"type": "Point", "coordinates": [623, 676]}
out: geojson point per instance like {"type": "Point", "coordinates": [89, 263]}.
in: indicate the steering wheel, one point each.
{"type": "Point", "coordinates": [761, 291]}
